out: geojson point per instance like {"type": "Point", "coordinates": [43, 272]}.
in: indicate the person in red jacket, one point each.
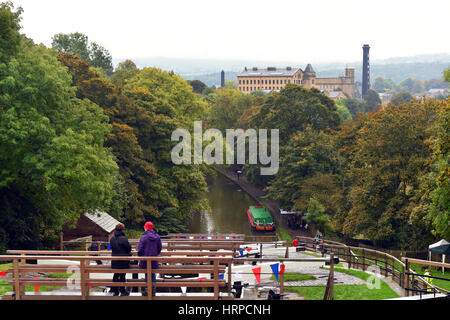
{"type": "Point", "coordinates": [149, 246]}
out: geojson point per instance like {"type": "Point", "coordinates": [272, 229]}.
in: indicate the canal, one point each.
{"type": "Point", "coordinates": [229, 205]}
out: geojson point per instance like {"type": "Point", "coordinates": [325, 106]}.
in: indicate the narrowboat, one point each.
{"type": "Point", "coordinates": [260, 219]}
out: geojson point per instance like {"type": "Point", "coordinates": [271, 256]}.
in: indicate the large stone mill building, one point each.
{"type": "Point", "coordinates": [273, 79]}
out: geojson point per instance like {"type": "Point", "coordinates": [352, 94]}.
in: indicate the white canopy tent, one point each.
{"type": "Point", "coordinates": [440, 247]}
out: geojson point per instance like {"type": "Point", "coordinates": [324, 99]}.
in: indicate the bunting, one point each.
{"type": "Point", "coordinates": [282, 268]}
{"type": "Point", "coordinates": [257, 273]}
{"type": "Point", "coordinates": [36, 288]}
{"type": "Point", "coordinates": [275, 269]}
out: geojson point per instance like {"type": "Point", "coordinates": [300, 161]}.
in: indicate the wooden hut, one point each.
{"type": "Point", "coordinates": [98, 224]}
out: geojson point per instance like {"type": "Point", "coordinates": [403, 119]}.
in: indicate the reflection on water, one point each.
{"type": "Point", "coordinates": [228, 204]}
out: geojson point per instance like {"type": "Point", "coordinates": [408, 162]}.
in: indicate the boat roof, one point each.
{"type": "Point", "coordinates": [260, 212]}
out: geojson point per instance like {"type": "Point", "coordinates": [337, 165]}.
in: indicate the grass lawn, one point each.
{"type": "Point", "coordinates": [5, 287]}
{"type": "Point", "coordinates": [348, 292]}
{"type": "Point", "coordinates": [4, 267]}
{"type": "Point", "coordinates": [436, 272]}
{"type": "Point", "coordinates": [284, 235]}
{"type": "Point", "coordinates": [295, 276]}
{"type": "Point", "coordinates": [59, 275]}
{"type": "Point", "coordinates": [311, 254]}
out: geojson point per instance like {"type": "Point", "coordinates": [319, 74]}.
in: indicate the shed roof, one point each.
{"type": "Point", "coordinates": [103, 220]}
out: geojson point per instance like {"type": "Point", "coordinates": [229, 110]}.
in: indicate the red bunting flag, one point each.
{"type": "Point", "coordinates": [3, 274]}
{"type": "Point", "coordinates": [204, 278]}
{"type": "Point", "coordinates": [36, 288]}
{"type": "Point", "coordinates": [257, 273]}
{"type": "Point", "coordinates": [249, 249]}
{"type": "Point", "coordinates": [282, 268]}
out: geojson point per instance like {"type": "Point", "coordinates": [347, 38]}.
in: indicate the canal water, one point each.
{"type": "Point", "coordinates": [228, 212]}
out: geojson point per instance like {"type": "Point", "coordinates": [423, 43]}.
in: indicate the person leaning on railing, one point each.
{"type": "Point", "coordinates": [149, 246]}
{"type": "Point", "coordinates": [120, 247]}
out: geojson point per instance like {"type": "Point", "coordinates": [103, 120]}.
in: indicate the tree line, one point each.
{"type": "Point", "coordinates": [381, 174]}
{"type": "Point", "coordinates": [75, 137]}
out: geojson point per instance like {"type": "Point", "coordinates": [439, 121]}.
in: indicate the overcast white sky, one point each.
{"type": "Point", "coordinates": [282, 30]}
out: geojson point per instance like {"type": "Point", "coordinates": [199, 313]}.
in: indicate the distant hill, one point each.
{"type": "Point", "coordinates": [422, 67]}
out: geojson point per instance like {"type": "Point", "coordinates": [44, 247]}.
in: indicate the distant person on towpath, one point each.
{"type": "Point", "coordinates": [149, 246]}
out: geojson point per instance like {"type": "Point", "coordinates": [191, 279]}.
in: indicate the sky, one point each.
{"type": "Point", "coordinates": [277, 30]}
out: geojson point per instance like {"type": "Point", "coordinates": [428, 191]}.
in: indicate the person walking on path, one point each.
{"type": "Point", "coordinates": [120, 247]}
{"type": "Point", "coordinates": [149, 246]}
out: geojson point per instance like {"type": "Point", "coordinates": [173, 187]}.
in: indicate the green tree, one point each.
{"type": "Point", "coordinates": [371, 100]}
{"type": "Point", "coordinates": [9, 30]}
{"type": "Point", "coordinates": [343, 111]}
{"type": "Point", "coordinates": [355, 106]}
{"type": "Point", "coordinates": [231, 84]}
{"type": "Point", "coordinates": [125, 71]}
{"type": "Point", "coordinates": [401, 97]}
{"type": "Point", "coordinates": [390, 154]}
{"type": "Point", "coordinates": [54, 165]}
{"type": "Point", "coordinates": [78, 44]}
{"type": "Point", "coordinates": [411, 85]}
{"type": "Point", "coordinates": [127, 119]}
{"type": "Point", "coordinates": [307, 154]}
{"type": "Point", "coordinates": [197, 86]}
{"type": "Point", "coordinates": [228, 106]}
{"type": "Point", "coordinates": [316, 215]}
{"type": "Point", "coordinates": [447, 75]}
{"type": "Point", "coordinates": [169, 103]}
{"type": "Point", "coordinates": [293, 109]}
{"type": "Point", "coordinates": [383, 85]}
{"type": "Point", "coordinates": [440, 184]}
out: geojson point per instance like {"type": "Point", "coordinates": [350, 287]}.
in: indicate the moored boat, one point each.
{"type": "Point", "coordinates": [260, 218]}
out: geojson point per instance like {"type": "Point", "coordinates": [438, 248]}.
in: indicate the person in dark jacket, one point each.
{"type": "Point", "coordinates": [149, 246]}
{"type": "Point", "coordinates": [120, 247]}
{"type": "Point", "coordinates": [96, 247]}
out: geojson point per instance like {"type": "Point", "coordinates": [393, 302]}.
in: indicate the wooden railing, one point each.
{"type": "Point", "coordinates": [191, 263]}
{"type": "Point", "coordinates": [411, 276]}
{"type": "Point", "coordinates": [168, 265]}
{"type": "Point", "coordinates": [363, 258]}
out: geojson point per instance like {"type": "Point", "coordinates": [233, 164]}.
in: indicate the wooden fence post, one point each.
{"type": "Point", "coordinates": [406, 277]}
{"type": "Point", "coordinates": [329, 290]}
{"type": "Point", "coordinates": [386, 265]}
{"type": "Point", "coordinates": [282, 283]}
{"type": "Point", "coordinates": [83, 279]}
{"type": "Point", "coordinates": [332, 276]}
{"type": "Point", "coordinates": [393, 268]}
{"type": "Point", "coordinates": [229, 276]}
{"type": "Point", "coordinates": [149, 280]}
{"type": "Point", "coordinates": [349, 258]}
{"type": "Point", "coordinates": [16, 280]}
{"type": "Point", "coordinates": [287, 250]}
{"type": "Point", "coordinates": [216, 280]}
{"type": "Point", "coordinates": [364, 260]}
